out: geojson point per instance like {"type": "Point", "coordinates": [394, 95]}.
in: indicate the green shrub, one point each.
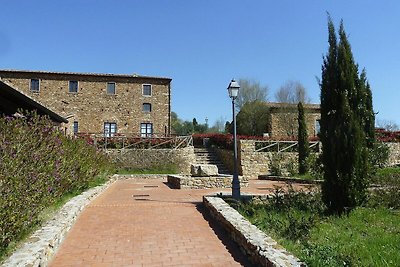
{"type": "Point", "coordinates": [379, 155]}
{"type": "Point", "coordinates": [387, 194]}
{"type": "Point", "coordinates": [38, 165]}
{"type": "Point", "coordinates": [300, 223]}
{"type": "Point", "coordinates": [315, 166]}
{"type": "Point", "coordinates": [282, 165]}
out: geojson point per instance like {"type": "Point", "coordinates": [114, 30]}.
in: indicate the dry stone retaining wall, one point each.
{"type": "Point", "coordinates": [226, 156]}
{"type": "Point", "coordinates": [255, 163]}
{"type": "Point", "coordinates": [261, 249]}
{"type": "Point", "coordinates": [394, 153]}
{"type": "Point", "coordinates": [252, 163]}
{"type": "Point", "coordinates": [193, 182]}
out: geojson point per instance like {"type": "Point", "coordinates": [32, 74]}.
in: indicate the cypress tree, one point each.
{"type": "Point", "coordinates": [303, 146]}
{"type": "Point", "coordinates": [368, 115]}
{"type": "Point", "coordinates": [343, 137]}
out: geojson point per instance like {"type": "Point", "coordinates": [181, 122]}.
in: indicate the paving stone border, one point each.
{"type": "Point", "coordinates": [261, 249]}
{"type": "Point", "coordinates": [42, 244]}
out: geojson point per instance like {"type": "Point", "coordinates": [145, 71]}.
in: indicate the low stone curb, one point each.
{"type": "Point", "coordinates": [42, 244]}
{"type": "Point", "coordinates": [261, 249]}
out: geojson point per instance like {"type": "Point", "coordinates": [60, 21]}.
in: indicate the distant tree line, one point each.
{"type": "Point", "coordinates": [185, 127]}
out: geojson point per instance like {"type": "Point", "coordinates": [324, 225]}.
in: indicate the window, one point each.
{"type": "Point", "coordinates": [146, 129]}
{"type": "Point", "coordinates": [35, 85]}
{"type": "Point", "coordinates": [317, 127]}
{"type": "Point", "coordinates": [110, 128]}
{"type": "Point", "coordinates": [111, 88]}
{"type": "Point", "coordinates": [73, 86]}
{"type": "Point", "coordinates": [146, 107]}
{"type": "Point", "coordinates": [147, 89]}
{"type": "Point", "coordinates": [76, 127]}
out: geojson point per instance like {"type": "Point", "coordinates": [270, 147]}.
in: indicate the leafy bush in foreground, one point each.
{"type": "Point", "coordinates": [38, 165]}
{"type": "Point", "coordinates": [299, 222]}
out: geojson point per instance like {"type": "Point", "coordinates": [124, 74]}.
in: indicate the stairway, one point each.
{"type": "Point", "coordinates": [209, 156]}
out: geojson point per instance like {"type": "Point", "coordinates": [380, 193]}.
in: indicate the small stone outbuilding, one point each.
{"type": "Point", "coordinates": [283, 119]}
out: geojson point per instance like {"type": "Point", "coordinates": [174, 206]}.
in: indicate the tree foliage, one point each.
{"type": "Point", "coordinates": [292, 92]}
{"type": "Point", "coordinates": [304, 149]}
{"type": "Point", "coordinates": [180, 127]}
{"type": "Point", "coordinates": [346, 100]}
{"type": "Point", "coordinates": [250, 91]}
{"type": "Point", "coordinates": [253, 119]}
{"type": "Point", "coordinates": [387, 125]}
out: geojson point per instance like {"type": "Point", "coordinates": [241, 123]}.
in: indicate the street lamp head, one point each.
{"type": "Point", "coordinates": [233, 89]}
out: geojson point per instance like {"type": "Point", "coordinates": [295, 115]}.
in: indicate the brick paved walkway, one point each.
{"type": "Point", "coordinates": [141, 222]}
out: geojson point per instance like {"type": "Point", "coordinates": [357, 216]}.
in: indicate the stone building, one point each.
{"type": "Point", "coordinates": [100, 103]}
{"type": "Point", "coordinates": [12, 101]}
{"type": "Point", "coordinates": [283, 119]}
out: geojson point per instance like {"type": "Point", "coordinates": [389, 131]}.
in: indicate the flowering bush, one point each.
{"type": "Point", "coordinates": [226, 140]}
{"type": "Point", "coordinates": [118, 141]}
{"type": "Point", "coordinates": [38, 165]}
{"type": "Point", "coordinates": [383, 135]}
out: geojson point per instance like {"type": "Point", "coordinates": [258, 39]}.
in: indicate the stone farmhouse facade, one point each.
{"type": "Point", "coordinates": [283, 119]}
{"type": "Point", "coordinates": [100, 103]}
{"type": "Point", "coordinates": [12, 101]}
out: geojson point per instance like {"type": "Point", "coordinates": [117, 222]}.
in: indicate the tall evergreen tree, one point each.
{"type": "Point", "coordinates": [303, 145]}
{"type": "Point", "coordinates": [368, 115]}
{"type": "Point", "coordinates": [343, 124]}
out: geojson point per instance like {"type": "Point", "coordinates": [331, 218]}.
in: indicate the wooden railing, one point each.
{"type": "Point", "coordinates": [284, 146]}
{"type": "Point", "coordinates": [136, 141]}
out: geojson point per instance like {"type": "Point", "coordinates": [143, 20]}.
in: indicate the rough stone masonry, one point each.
{"type": "Point", "coordinates": [135, 101]}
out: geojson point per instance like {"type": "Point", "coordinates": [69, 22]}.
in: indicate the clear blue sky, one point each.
{"type": "Point", "coordinates": [201, 45]}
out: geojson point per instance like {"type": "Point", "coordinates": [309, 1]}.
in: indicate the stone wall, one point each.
{"type": "Point", "coordinates": [226, 156]}
{"type": "Point", "coordinates": [255, 163]}
{"type": "Point", "coordinates": [148, 158]}
{"type": "Point", "coordinates": [252, 163]}
{"type": "Point", "coordinates": [260, 249]}
{"type": "Point", "coordinates": [91, 106]}
{"type": "Point", "coordinates": [285, 123]}
{"type": "Point", "coordinates": [194, 182]}
{"type": "Point", "coordinates": [394, 153]}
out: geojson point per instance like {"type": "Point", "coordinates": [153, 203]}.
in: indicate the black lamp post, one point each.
{"type": "Point", "coordinates": [233, 90]}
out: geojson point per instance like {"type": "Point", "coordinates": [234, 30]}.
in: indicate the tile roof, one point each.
{"type": "Point", "coordinates": [84, 74]}
{"type": "Point", "coordinates": [290, 105]}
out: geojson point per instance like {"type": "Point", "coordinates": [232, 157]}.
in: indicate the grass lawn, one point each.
{"type": "Point", "coordinates": [364, 237]}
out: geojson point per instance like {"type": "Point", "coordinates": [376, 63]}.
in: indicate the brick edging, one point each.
{"type": "Point", "coordinates": [39, 248]}
{"type": "Point", "coordinates": [261, 249]}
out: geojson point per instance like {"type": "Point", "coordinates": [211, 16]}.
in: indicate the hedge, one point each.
{"type": "Point", "coordinates": [38, 165]}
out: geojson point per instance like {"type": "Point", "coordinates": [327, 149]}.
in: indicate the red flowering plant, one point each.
{"type": "Point", "coordinates": [383, 135]}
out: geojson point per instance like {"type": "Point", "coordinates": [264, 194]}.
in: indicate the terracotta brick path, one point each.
{"type": "Point", "coordinates": [141, 222]}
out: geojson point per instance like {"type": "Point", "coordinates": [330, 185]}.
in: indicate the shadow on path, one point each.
{"type": "Point", "coordinates": [222, 235]}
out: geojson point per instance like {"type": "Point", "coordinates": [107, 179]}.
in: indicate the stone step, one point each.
{"type": "Point", "coordinates": [208, 156]}
{"type": "Point", "coordinates": [215, 162]}
{"type": "Point", "coordinates": [205, 156]}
